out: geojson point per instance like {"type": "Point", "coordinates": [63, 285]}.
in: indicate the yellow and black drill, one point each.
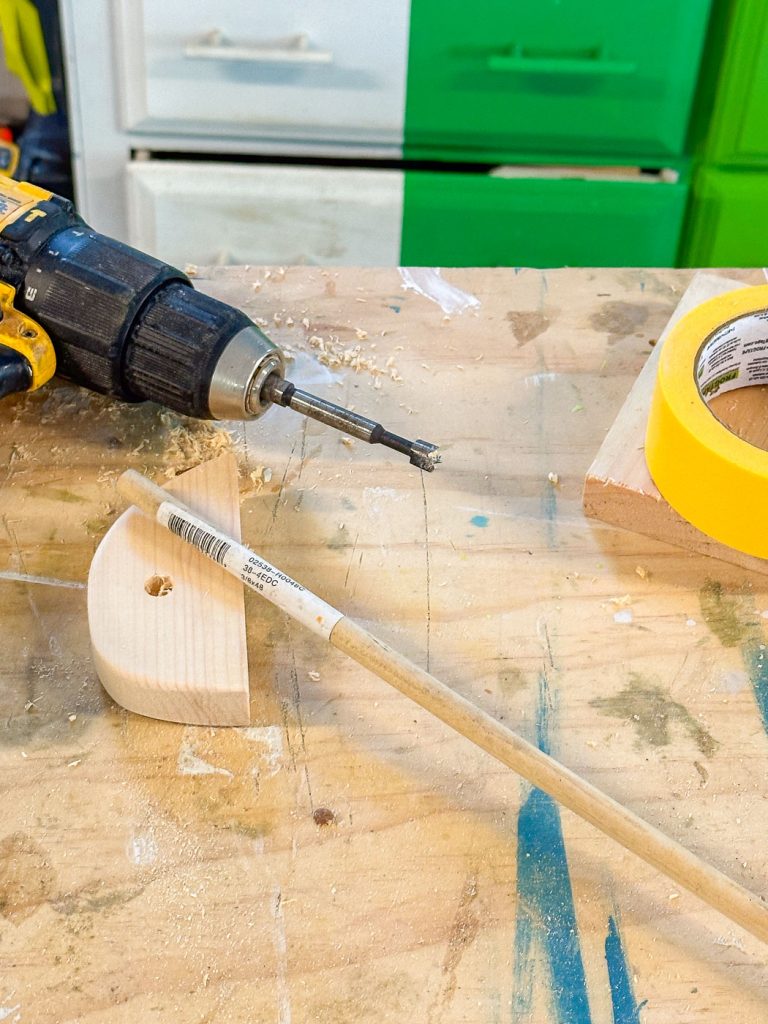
{"type": "Point", "coordinates": [120, 322]}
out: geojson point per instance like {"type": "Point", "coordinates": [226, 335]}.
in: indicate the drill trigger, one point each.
{"type": "Point", "coordinates": [27, 355]}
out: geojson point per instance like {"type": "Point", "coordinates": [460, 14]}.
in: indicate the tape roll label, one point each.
{"type": "Point", "coordinates": [734, 356]}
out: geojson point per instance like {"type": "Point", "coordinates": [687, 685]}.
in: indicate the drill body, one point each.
{"type": "Point", "coordinates": [122, 322]}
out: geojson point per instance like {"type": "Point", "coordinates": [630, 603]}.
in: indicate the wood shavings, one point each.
{"type": "Point", "coordinates": [332, 352]}
{"type": "Point", "coordinates": [191, 270]}
{"type": "Point", "coordinates": [314, 676]}
{"type": "Point", "coordinates": [22, 452]}
{"type": "Point", "coordinates": [360, 334]}
{"type": "Point", "coordinates": [190, 442]}
{"type": "Point", "coordinates": [621, 602]}
{"type": "Point", "coordinates": [642, 572]}
{"type": "Point", "coordinates": [259, 476]}
{"type": "Point", "coordinates": [553, 478]}
{"type": "Point", "coordinates": [348, 442]}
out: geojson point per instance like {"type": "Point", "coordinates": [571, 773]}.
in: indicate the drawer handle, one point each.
{"type": "Point", "coordinates": [586, 62]}
{"type": "Point", "coordinates": [215, 45]}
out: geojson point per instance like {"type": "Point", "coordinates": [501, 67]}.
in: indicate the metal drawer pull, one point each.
{"type": "Point", "coordinates": [537, 62]}
{"type": "Point", "coordinates": [215, 45]}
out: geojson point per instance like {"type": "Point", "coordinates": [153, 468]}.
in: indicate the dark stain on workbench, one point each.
{"type": "Point", "coordinates": [619, 319]}
{"type": "Point", "coordinates": [651, 710]}
{"type": "Point", "coordinates": [728, 615]}
{"type": "Point", "coordinates": [94, 898]}
{"type": "Point", "coordinates": [527, 325]}
{"type": "Point", "coordinates": [464, 930]}
{"type": "Point", "coordinates": [323, 816]}
{"type": "Point", "coordinates": [27, 880]}
{"type": "Point", "coordinates": [340, 540]}
{"type": "Point", "coordinates": [733, 620]}
{"type": "Point", "coordinates": [512, 680]}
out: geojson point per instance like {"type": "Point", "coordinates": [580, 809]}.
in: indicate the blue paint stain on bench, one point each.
{"type": "Point", "coordinates": [546, 917]}
{"type": "Point", "coordinates": [626, 1009]}
{"type": "Point", "coordinates": [546, 927]}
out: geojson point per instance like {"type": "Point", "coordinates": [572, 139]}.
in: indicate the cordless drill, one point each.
{"type": "Point", "coordinates": [123, 323]}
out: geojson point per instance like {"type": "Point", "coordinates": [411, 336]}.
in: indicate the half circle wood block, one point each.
{"type": "Point", "coordinates": [167, 624]}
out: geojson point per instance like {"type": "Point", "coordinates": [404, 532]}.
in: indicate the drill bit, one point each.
{"type": "Point", "coordinates": [281, 392]}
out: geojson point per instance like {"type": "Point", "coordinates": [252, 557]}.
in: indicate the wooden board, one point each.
{"type": "Point", "coordinates": [346, 858]}
{"type": "Point", "coordinates": [167, 625]}
{"type": "Point", "coordinates": [618, 487]}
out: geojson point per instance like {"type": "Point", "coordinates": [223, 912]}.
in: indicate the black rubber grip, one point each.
{"type": "Point", "coordinates": [87, 291]}
{"type": "Point", "coordinates": [173, 349]}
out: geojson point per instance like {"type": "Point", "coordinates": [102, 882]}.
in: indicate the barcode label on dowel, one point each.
{"type": "Point", "coordinates": [255, 572]}
{"type": "Point", "coordinates": [204, 541]}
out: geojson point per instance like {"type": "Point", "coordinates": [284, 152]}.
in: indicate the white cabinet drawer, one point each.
{"type": "Point", "coordinates": [244, 213]}
{"type": "Point", "coordinates": [308, 70]}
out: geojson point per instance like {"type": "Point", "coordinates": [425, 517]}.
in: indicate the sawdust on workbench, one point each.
{"type": "Point", "coordinates": [334, 344]}
{"type": "Point", "coordinates": [190, 442]}
{"type": "Point", "coordinates": [143, 435]}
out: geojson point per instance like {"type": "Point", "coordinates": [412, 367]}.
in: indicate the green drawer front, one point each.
{"type": "Point", "coordinates": [466, 220]}
{"type": "Point", "coordinates": [739, 131]}
{"type": "Point", "coordinates": [727, 224]}
{"type": "Point", "coordinates": [556, 76]}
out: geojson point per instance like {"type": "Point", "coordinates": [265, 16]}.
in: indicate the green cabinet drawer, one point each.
{"type": "Point", "coordinates": [500, 80]}
{"type": "Point", "coordinates": [727, 224]}
{"type": "Point", "coordinates": [739, 125]}
{"type": "Point", "coordinates": [466, 220]}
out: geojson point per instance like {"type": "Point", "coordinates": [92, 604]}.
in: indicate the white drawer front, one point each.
{"type": "Point", "coordinates": [307, 70]}
{"type": "Point", "coordinates": [221, 213]}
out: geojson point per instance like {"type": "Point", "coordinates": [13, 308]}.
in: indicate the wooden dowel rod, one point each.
{"type": "Point", "coordinates": [540, 769]}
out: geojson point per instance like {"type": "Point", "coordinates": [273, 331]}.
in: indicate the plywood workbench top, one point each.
{"type": "Point", "coordinates": [347, 859]}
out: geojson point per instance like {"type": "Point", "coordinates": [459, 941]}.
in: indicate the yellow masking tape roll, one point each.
{"type": "Point", "coordinates": [714, 479]}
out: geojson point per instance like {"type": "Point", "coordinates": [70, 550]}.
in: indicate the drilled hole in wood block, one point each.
{"type": "Point", "coordinates": [158, 586]}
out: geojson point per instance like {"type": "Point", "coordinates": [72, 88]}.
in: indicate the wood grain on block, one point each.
{"type": "Point", "coordinates": [167, 625]}
{"type": "Point", "coordinates": [618, 488]}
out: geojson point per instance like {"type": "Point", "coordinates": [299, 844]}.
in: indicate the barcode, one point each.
{"type": "Point", "coordinates": [202, 540]}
